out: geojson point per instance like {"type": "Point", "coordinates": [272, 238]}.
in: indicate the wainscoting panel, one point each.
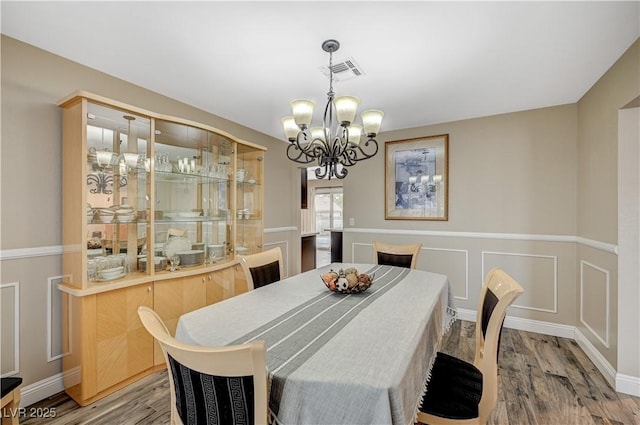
{"type": "Point", "coordinates": [361, 253]}
{"type": "Point", "coordinates": [594, 300]}
{"type": "Point", "coordinates": [57, 347]}
{"type": "Point", "coordinates": [10, 327]}
{"type": "Point", "coordinates": [284, 247]}
{"type": "Point", "coordinates": [453, 263]}
{"type": "Point", "coordinates": [537, 274]}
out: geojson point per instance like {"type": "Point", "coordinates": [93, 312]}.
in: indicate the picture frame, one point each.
{"type": "Point", "coordinates": [417, 178]}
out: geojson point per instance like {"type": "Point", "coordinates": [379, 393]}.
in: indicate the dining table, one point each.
{"type": "Point", "coordinates": [334, 358]}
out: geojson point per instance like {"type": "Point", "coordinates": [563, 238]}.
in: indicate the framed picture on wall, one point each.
{"type": "Point", "coordinates": [417, 178]}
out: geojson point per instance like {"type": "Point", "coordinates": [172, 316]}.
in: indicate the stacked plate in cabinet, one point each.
{"type": "Point", "coordinates": [124, 213]}
{"type": "Point", "coordinates": [105, 215]}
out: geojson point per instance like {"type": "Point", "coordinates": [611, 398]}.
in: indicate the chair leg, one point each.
{"type": "Point", "coordinates": [11, 410]}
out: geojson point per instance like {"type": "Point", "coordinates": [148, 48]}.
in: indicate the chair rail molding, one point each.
{"type": "Point", "coordinates": [38, 251]}
{"type": "Point", "coordinates": [602, 246]}
{"type": "Point", "coordinates": [281, 229]}
{"type": "Point", "coordinates": [285, 256]}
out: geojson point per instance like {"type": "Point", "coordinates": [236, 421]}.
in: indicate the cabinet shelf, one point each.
{"type": "Point", "coordinates": [173, 177]}
{"type": "Point", "coordinates": [201, 219]}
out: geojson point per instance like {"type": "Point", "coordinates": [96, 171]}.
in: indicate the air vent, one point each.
{"type": "Point", "coordinates": [344, 70]}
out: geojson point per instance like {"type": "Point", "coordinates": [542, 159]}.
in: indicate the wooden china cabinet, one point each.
{"type": "Point", "coordinates": [141, 191]}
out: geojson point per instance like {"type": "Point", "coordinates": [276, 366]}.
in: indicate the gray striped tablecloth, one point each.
{"type": "Point", "coordinates": [332, 358]}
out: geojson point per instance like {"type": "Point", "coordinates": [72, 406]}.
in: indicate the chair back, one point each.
{"type": "Point", "coordinates": [396, 255]}
{"type": "Point", "coordinates": [498, 293]}
{"type": "Point", "coordinates": [212, 384]}
{"type": "Point", "coordinates": [262, 268]}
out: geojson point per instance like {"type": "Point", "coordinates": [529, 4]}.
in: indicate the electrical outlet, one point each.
{"type": "Point", "coordinates": [352, 221]}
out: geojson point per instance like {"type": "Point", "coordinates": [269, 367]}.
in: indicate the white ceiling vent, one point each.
{"type": "Point", "coordinates": [344, 70]}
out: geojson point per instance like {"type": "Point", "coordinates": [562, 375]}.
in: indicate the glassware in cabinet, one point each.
{"type": "Point", "coordinates": [192, 167]}
{"type": "Point", "coordinates": [249, 199]}
{"type": "Point", "coordinates": [116, 191]}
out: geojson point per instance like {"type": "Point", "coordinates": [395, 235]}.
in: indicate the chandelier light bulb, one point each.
{"type": "Point", "coordinates": [317, 133]}
{"type": "Point", "coordinates": [291, 129]}
{"type": "Point", "coordinates": [355, 133]}
{"type": "Point", "coordinates": [372, 120]}
{"type": "Point", "coordinates": [346, 107]}
{"type": "Point", "coordinates": [302, 111]}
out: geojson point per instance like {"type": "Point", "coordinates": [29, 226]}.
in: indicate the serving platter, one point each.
{"type": "Point", "coordinates": [176, 244]}
{"type": "Point", "coordinates": [107, 279]}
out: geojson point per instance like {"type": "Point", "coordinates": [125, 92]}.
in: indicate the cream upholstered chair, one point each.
{"type": "Point", "coordinates": [396, 255]}
{"type": "Point", "coordinates": [262, 268]}
{"type": "Point", "coordinates": [222, 385]}
{"type": "Point", "coordinates": [464, 393]}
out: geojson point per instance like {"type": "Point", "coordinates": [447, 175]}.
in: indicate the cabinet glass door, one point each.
{"type": "Point", "coordinates": [192, 219]}
{"type": "Point", "coordinates": [116, 191]}
{"type": "Point", "coordinates": [249, 202]}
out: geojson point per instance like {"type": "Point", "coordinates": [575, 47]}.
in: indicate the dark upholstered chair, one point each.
{"type": "Point", "coordinates": [11, 400]}
{"type": "Point", "coordinates": [464, 393]}
{"type": "Point", "coordinates": [262, 268]}
{"type": "Point", "coordinates": [221, 385]}
{"type": "Point", "coordinates": [396, 255]}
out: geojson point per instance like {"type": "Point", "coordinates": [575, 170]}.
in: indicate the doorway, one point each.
{"type": "Point", "coordinates": [328, 204]}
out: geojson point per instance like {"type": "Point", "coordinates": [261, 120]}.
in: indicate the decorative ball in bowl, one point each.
{"type": "Point", "coordinates": [347, 281]}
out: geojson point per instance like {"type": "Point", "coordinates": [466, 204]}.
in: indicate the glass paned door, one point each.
{"type": "Point", "coordinates": [328, 204]}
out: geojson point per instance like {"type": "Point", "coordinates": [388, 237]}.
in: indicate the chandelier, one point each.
{"type": "Point", "coordinates": [337, 143]}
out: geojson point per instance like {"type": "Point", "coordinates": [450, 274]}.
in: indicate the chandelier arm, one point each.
{"type": "Point", "coordinates": [296, 157]}
{"type": "Point", "coordinates": [342, 173]}
{"type": "Point", "coordinates": [349, 157]}
{"type": "Point", "coordinates": [342, 141]}
{"type": "Point", "coordinates": [319, 171]}
{"type": "Point", "coordinates": [315, 149]}
{"type": "Point", "coordinates": [366, 155]}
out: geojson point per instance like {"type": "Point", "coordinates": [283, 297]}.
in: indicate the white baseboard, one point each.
{"type": "Point", "coordinates": [598, 359]}
{"type": "Point", "coordinates": [537, 326]}
{"type": "Point", "coordinates": [621, 383]}
{"type": "Point", "coordinates": [41, 390]}
{"type": "Point", "coordinates": [628, 384]}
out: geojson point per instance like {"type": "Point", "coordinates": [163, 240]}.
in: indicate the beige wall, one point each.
{"type": "Point", "coordinates": [512, 180]}
{"type": "Point", "coordinates": [511, 173]}
{"type": "Point", "coordinates": [33, 81]}
{"type": "Point", "coordinates": [598, 202]}
{"type": "Point", "coordinates": [629, 241]}
{"type": "Point", "coordinates": [598, 146]}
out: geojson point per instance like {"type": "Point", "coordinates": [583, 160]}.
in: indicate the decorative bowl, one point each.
{"type": "Point", "coordinates": [347, 281]}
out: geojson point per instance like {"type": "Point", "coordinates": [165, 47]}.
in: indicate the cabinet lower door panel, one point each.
{"type": "Point", "coordinates": [123, 346]}
{"type": "Point", "coordinates": [174, 297]}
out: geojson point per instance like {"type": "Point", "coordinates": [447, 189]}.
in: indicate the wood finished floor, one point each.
{"type": "Point", "coordinates": [544, 380]}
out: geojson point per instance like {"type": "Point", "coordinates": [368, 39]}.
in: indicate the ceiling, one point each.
{"type": "Point", "coordinates": [423, 62]}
